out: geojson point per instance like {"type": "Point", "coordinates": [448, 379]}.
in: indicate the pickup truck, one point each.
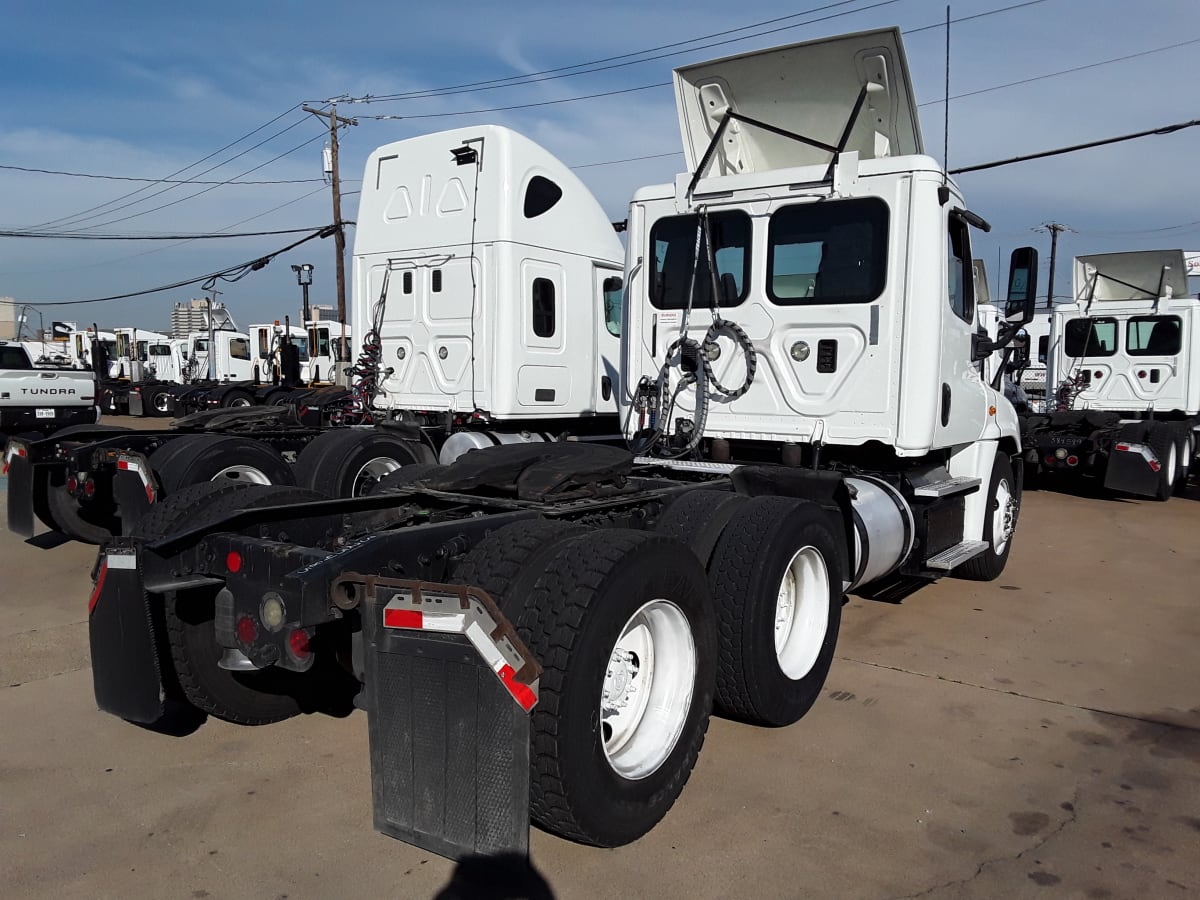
{"type": "Point", "coordinates": [40, 398]}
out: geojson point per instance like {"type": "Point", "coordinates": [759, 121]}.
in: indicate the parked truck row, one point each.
{"type": "Point", "coordinates": [602, 492]}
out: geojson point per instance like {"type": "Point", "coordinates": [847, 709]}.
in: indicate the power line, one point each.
{"type": "Point", "coordinates": [232, 273]}
{"type": "Point", "coordinates": [1165, 129]}
{"type": "Point", "coordinates": [78, 236]}
{"type": "Point", "coordinates": [1094, 65]}
{"type": "Point", "coordinates": [646, 87]}
{"type": "Point", "coordinates": [613, 162]}
{"type": "Point", "coordinates": [146, 212]}
{"type": "Point", "coordinates": [204, 159]}
{"type": "Point", "coordinates": [150, 180]}
{"type": "Point", "coordinates": [599, 64]}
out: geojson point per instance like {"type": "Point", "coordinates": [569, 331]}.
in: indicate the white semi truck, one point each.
{"type": "Point", "coordinates": [542, 629]}
{"type": "Point", "coordinates": [1124, 376]}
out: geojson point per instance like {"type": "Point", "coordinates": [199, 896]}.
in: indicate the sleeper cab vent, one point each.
{"type": "Point", "coordinates": [827, 355]}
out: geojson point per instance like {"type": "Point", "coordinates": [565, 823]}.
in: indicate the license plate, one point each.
{"type": "Point", "coordinates": [44, 414]}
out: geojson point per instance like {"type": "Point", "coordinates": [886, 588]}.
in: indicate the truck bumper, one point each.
{"type": "Point", "coordinates": [14, 421]}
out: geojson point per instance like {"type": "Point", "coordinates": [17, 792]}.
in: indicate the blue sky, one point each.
{"type": "Point", "coordinates": [143, 89]}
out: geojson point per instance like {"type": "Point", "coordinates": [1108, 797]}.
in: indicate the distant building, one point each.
{"type": "Point", "coordinates": [193, 316]}
{"type": "Point", "coordinates": [322, 313]}
{"type": "Point", "coordinates": [8, 318]}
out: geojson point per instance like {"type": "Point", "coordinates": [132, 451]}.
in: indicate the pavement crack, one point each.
{"type": "Point", "coordinates": [1148, 720]}
{"type": "Point", "coordinates": [1042, 841]}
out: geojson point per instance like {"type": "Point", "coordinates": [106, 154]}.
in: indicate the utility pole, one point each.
{"type": "Point", "coordinates": [1055, 230]}
{"type": "Point", "coordinates": [212, 336]}
{"type": "Point", "coordinates": [339, 236]}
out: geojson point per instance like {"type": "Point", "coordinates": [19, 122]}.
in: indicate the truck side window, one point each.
{"type": "Point", "coordinates": [264, 352]}
{"type": "Point", "coordinates": [239, 348]}
{"type": "Point", "coordinates": [614, 293]}
{"type": "Point", "coordinates": [1154, 336]}
{"type": "Point", "coordinates": [322, 342]}
{"type": "Point", "coordinates": [1090, 337]}
{"type": "Point", "coordinates": [673, 241]}
{"type": "Point", "coordinates": [543, 307]}
{"type": "Point", "coordinates": [828, 252]}
{"type": "Point", "coordinates": [13, 358]}
{"type": "Point", "coordinates": [540, 196]}
{"type": "Point", "coordinates": [1043, 347]}
{"type": "Point", "coordinates": [959, 283]}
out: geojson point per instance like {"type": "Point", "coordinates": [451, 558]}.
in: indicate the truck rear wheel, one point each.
{"type": "Point", "coordinates": [245, 698]}
{"type": "Point", "coordinates": [777, 584]}
{"type": "Point", "coordinates": [622, 623]}
{"type": "Point", "coordinates": [237, 398]}
{"type": "Point", "coordinates": [404, 477]}
{"type": "Point", "coordinates": [203, 457]}
{"type": "Point", "coordinates": [999, 524]}
{"type": "Point", "coordinates": [697, 518]}
{"type": "Point", "coordinates": [346, 462]}
{"type": "Point", "coordinates": [157, 401]}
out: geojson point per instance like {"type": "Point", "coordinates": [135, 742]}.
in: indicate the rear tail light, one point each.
{"type": "Point", "coordinates": [233, 561]}
{"type": "Point", "coordinates": [1050, 460]}
{"type": "Point", "coordinates": [72, 485]}
{"type": "Point", "coordinates": [89, 488]}
{"type": "Point", "coordinates": [298, 644]}
{"type": "Point", "coordinates": [1072, 460]}
{"type": "Point", "coordinates": [247, 631]}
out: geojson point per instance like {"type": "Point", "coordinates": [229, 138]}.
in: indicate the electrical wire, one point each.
{"type": "Point", "coordinates": [147, 212]}
{"type": "Point", "coordinates": [205, 159]}
{"type": "Point", "coordinates": [613, 162]}
{"type": "Point", "coordinates": [69, 236]}
{"type": "Point", "coordinates": [150, 180]}
{"type": "Point", "coordinates": [1165, 129]}
{"type": "Point", "coordinates": [1105, 62]}
{"type": "Point", "coordinates": [232, 273]}
{"type": "Point", "coordinates": [599, 65]}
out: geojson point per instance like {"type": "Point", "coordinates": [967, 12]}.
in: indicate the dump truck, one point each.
{"type": "Point", "coordinates": [540, 631]}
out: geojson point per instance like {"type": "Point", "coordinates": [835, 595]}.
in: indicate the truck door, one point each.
{"type": "Point", "coordinates": [544, 376]}
{"type": "Point", "coordinates": [962, 401]}
{"type": "Point", "coordinates": [609, 298]}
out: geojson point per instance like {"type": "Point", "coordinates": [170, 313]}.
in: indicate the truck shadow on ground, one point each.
{"type": "Point", "coordinates": [503, 876]}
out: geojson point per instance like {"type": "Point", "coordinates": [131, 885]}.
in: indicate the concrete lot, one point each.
{"type": "Point", "coordinates": [1038, 736]}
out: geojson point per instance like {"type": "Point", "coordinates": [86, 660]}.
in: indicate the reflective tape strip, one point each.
{"type": "Point", "coordinates": [1141, 450]}
{"type": "Point", "coordinates": [14, 448]}
{"type": "Point", "coordinates": [134, 464]}
{"type": "Point", "coordinates": [452, 614]}
{"type": "Point", "coordinates": [121, 560]}
{"type": "Point", "coordinates": [100, 577]}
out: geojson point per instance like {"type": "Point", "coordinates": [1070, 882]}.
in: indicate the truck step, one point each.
{"type": "Point", "coordinates": [956, 555]}
{"type": "Point", "coordinates": [961, 484]}
{"type": "Point", "coordinates": [687, 465]}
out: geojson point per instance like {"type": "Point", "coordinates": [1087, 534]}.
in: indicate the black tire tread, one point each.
{"type": "Point", "coordinates": [550, 624]}
{"type": "Point", "coordinates": [987, 566]}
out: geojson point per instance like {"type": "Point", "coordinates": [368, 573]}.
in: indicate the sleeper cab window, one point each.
{"type": "Point", "coordinates": [828, 252]}
{"type": "Point", "coordinates": [540, 196]}
{"type": "Point", "coordinates": [543, 307]}
{"type": "Point", "coordinates": [1090, 337]}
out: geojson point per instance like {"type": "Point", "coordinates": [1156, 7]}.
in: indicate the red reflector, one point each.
{"type": "Point", "coordinates": [72, 484]}
{"type": "Point", "coordinates": [1141, 373]}
{"type": "Point", "coordinates": [1155, 465]}
{"type": "Point", "coordinates": [298, 643]}
{"type": "Point", "coordinates": [89, 488]}
{"type": "Point", "coordinates": [1072, 460]}
{"type": "Point", "coordinates": [233, 561]}
{"type": "Point", "coordinates": [1124, 448]}
{"type": "Point", "coordinates": [522, 693]}
{"type": "Point", "coordinates": [402, 618]}
{"type": "Point", "coordinates": [1050, 459]}
{"type": "Point", "coordinates": [1097, 374]}
{"type": "Point", "coordinates": [247, 631]}
{"type": "Point", "coordinates": [149, 494]}
{"type": "Point", "coordinates": [98, 588]}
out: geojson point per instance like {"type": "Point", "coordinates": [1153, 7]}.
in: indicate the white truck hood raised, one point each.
{"type": "Point", "coordinates": [1133, 275]}
{"type": "Point", "coordinates": [807, 89]}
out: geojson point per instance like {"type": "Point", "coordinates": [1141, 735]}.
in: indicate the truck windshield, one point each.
{"type": "Point", "coordinates": [673, 241]}
{"type": "Point", "coordinates": [828, 252]}
{"type": "Point", "coordinates": [1090, 337]}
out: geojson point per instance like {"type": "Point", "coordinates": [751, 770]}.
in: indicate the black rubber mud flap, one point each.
{"type": "Point", "coordinates": [449, 688]}
{"type": "Point", "coordinates": [126, 675]}
{"type": "Point", "coordinates": [1132, 466]}
{"type": "Point", "coordinates": [20, 496]}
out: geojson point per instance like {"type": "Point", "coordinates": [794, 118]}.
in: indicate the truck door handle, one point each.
{"type": "Point", "coordinates": [945, 404]}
